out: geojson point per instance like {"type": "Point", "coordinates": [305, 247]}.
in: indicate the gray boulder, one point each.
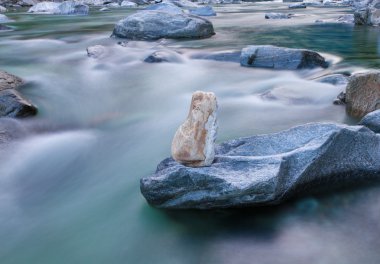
{"type": "Point", "coordinates": [13, 105]}
{"type": "Point", "coordinates": [372, 121]}
{"type": "Point", "coordinates": [64, 8]}
{"type": "Point", "coordinates": [363, 93]}
{"type": "Point", "coordinates": [165, 7]}
{"type": "Point", "coordinates": [277, 16]}
{"type": "Point", "coordinates": [268, 56]}
{"type": "Point", "coordinates": [9, 81]}
{"type": "Point", "coordinates": [152, 25]}
{"type": "Point", "coordinates": [368, 14]}
{"type": "Point", "coordinates": [203, 11]}
{"type": "Point", "coordinates": [2, 9]}
{"type": "Point", "coordinates": [269, 169]}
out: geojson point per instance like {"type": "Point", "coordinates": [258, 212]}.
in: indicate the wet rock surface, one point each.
{"type": "Point", "coordinates": [269, 169]}
{"type": "Point", "coordinates": [267, 56]}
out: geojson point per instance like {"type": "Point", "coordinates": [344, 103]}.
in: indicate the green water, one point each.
{"type": "Point", "coordinates": [69, 192]}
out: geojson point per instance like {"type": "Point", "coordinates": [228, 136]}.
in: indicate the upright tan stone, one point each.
{"type": "Point", "coordinates": [194, 142]}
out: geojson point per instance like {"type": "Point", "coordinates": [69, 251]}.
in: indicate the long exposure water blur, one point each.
{"type": "Point", "coordinates": [69, 189]}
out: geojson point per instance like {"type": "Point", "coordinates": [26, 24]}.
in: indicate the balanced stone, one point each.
{"type": "Point", "coordinates": [268, 56]}
{"type": "Point", "coordinates": [152, 25]}
{"type": "Point", "coordinates": [270, 169]}
{"type": "Point", "coordinates": [363, 93]}
{"type": "Point", "coordinates": [194, 142]}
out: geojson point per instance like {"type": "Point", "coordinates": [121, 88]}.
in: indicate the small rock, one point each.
{"type": "Point", "coordinates": [9, 81]}
{"type": "Point", "coordinates": [295, 6]}
{"type": "Point", "coordinates": [372, 121]}
{"type": "Point", "coordinates": [203, 11]}
{"type": "Point", "coordinates": [96, 52]}
{"type": "Point", "coordinates": [194, 142]}
{"type": "Point", "coordinates": [103, 9]}
{"type": "Point", "coordinates": [113, 5]}
{"type": "Point", "coordinates": [340, 99]}
{"type": "Point", "coordinates": [184, 4]}
{"type": "Point", "coordinates": [292, 1]}
{"type": "Point", "coordinates": [2, 9]}
{"type": "Point", "coordinates": [346, 19]}
{"type": "Point", "coordinates": [153, 25]}
{"type": "Point", "coordinates": [268, 56]}
{"type": "Point", "coordinates": [363, 93]}
{"type": "Point", "coordinates": [128, 4]}
{"type": "Point", "coordinates": [277, 16]}
{"type": "Point", "coordinates": [13, 105]}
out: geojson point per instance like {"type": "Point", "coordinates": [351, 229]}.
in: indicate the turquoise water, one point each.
{"type": "Point", "coordinates": [69, 191]}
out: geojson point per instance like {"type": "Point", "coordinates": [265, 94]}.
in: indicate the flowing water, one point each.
{"type": "Point", "coordinates": [69, 190]}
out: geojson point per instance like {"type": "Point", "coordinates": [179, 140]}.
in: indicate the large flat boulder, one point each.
{"type": "Point", "coordinates": [363, 93]}
{"type": "Point", "coordinates": [152, 25]}
{"type": "Point", "coordinates": [269, 169]}
{"type": "Point", "coordinates": [268, 56]}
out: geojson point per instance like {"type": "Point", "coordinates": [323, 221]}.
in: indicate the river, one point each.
{"type": "Point", "coordinates": [69, 191]}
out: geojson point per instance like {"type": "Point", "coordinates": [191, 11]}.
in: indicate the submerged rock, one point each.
{"type": "Point", "coordinates": [4, 27]}
{"type": "Point", "coordinates": [269, 169]}
{"type": "Point", "coordinates": [268, 56]}
{"type": "Point", "coordinates": [9, 81]}
{"type": "Point", "coordinates": [372, 121]}
{"type": "Point", "coordinates": [96, 52]}
{"type": "Point", "coordinates": [194, 142]}
{"type": "Point", "coordinates": [363, 93]}
{"type": "Point", "coordinates": [13, 105]}
{"type": "Point", "coordinates": [64, 8]}
{"type": "Point", "coordinates": [152, 25]}
{"type": "Point", "coordinates": [277, 16]}
{"type": "Point", "coordinates": [163, 56]}
{"type": "Point", "coordinates": [334, 79]}
{"type": "Point", "coordinates": [295, 6]}
{"type": "Point", "coordinates": [203, 11]}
